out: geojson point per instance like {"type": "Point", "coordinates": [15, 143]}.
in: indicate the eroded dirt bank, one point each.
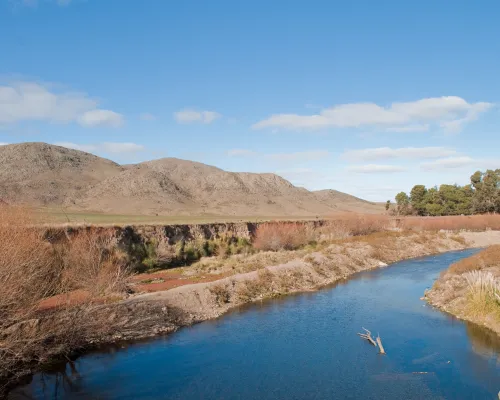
{"type": "Point", "coordinates": [198, 302]}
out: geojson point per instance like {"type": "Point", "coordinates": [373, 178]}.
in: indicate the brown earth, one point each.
{"type": "Point", "coordinates": [40, 174]}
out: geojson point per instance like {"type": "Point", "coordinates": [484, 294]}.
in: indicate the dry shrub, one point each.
{"type": "Point", "coordinates": [222, 294]}
{"type": "Point", "coordinates": [451, 223]}
{"type": "Point", "coordinates": [484, 259]}
{"type": "Point", "coordinates": [252, 289]}
{"type": "Point", "coordinates": [33, 269]}
{"type": "Point", "coordinates": [29, 270]}
{"type": "Point", "coordinates": [92, 262]}
{"type": "Point", "coordinates": [350, 224]}
{"type": "Point", "coordinates": [282, 236]}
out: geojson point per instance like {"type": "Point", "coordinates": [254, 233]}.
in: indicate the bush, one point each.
{"type": "Point", "coordinates": [31, 270]}
{"type": "Point", "coordinates": [452, 223]}
{"type": "Point", "coordinates": [281, 236]}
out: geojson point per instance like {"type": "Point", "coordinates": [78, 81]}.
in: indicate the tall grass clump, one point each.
{"type": "Point", "coordinates": [483, 292]}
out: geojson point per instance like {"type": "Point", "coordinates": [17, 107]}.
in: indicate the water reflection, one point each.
{"type": "Point", "coordinates": [484, 342]}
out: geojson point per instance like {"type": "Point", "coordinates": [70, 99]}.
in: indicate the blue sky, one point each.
{"type": "Point", "coordinates": [368, 97]}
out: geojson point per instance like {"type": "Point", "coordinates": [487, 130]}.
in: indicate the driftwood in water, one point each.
{"type": "Point", "coordinates": [368, 336]}
{"type": "Point", "coordinates": [380, 347]}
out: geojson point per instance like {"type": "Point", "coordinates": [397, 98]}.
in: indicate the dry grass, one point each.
{"type": "Point", "coordinates": [483, 294]}
{"type": "Point", "coordinates": [484, 259]}
{"type": "Point", "coordinates": [451, 223]}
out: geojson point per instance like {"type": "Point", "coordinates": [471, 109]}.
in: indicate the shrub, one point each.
{"type": "Point", "coordinates": [221, 293]}
{"type": "Point", "coordinates": [452, 223]}
{"type": "Point", "coordinates": [92, 262]}
{"type": "Point", "coordinates": [281, 236]}
{"type": "Point", "coordinates": [351, 224]}
{"type": "Point", "coordinates": [32, 269]}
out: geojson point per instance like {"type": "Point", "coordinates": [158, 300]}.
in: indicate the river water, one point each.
{"type": "Point", "coordinates": [302, 347]}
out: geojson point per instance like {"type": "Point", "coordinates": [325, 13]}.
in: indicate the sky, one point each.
{"type": "Point", "coordinates": [363, 96]}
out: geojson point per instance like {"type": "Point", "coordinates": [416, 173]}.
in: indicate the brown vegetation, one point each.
{"type": "Point", "coordinates": [470, 288]}
{"type": "Point", "coordinates": [451, 223]}
{"type": "Point", "coordinates": [484, 259]}
{"type": "Point", "coordinates": [32, 269]}
{"type": "Point", "coordinates": [282, 236]}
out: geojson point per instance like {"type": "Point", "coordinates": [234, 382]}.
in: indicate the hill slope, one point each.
{"type": "Point", "coordinates": [42, 174]}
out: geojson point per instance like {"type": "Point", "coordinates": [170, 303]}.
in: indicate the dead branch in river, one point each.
{"type": "Point", "coordinates": [380, 347]}
{"type": "Point", "coordinates": [368, 336]}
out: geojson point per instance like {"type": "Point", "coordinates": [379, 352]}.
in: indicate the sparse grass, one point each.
{"type": "Point", "coordinates": [60, 217]}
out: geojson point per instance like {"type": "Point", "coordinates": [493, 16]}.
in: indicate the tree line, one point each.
{"type": "Point", "coordinates": [481, 196]}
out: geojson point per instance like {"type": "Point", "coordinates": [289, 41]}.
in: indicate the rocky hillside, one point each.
{"type": "Point", "coordinates": [43, 174]}
{"type": "Point", "coordinates": [47, 175]}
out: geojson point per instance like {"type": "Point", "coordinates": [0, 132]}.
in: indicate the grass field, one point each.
{"type": "Point", "coordinates": [59, 216]}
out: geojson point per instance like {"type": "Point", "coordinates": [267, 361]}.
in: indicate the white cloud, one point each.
{"type": "Point", "coordinates": [448, 112]}
{"type": "Point", "coordinates": [410, 128]}
{"type": "Point", "coordinates": [147, 117]}
{"type": "Point", "coordinates": [25, 101]}
{"type": "Point", "coordinates": [299, 156]}
{"type": "Point", "coordinates": [101, 118]}
{"type": "Point", "coordinates": [188, 116]}
{"type": "Point", "coordinates": [3, 144]}
{"type": "Point", "coordinates": [241, 153]}
{"type": "Point", "coordinates": [448, 163]}
{"type": "Point", "coordinates": [375, 169]}
{"type": "Point", "coordinates": [107, 147]}
{"type": "Point", "coordinates": [381, 153]}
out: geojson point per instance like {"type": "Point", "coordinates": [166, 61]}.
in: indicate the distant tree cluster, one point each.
{"type": "Point", "coordinates": [481, 196]}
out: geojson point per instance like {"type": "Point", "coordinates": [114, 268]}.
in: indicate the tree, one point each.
{"type": "Point", "coordinates": [486, 196]}
{"type": "Point", "coordinates": [418, 199]}
{"type": "Point", "coordinates": [433, 202]}
{"type": "Point", "coordinates": [387, 205]}
{"type": "Point", "coordinates": [403, 203]}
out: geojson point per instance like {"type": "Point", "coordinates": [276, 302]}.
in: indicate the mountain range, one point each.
{"type": "Point", "coordinates": [46, 175]}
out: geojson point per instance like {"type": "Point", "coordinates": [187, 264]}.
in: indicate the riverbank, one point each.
{"type": "Point", "coordinates": [150, 314]}
{"type": "Point", "coordinates": [469, 289]}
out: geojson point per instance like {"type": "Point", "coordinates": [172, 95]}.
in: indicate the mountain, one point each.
{"type": "Point", "coordinates": [47, 175]}
{"type": "Point", "coordinates": [43, 174]}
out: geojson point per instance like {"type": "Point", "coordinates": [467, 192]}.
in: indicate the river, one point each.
{"type": "Point", "coordinates": [302, 347]}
